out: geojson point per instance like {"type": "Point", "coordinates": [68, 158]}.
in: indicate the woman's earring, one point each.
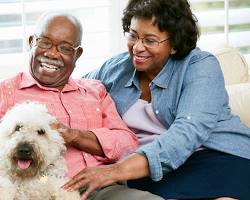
{"type": "Point", "coordinates": [172, 52]}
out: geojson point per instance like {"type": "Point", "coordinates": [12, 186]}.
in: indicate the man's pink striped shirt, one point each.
{"type": "Point", "coordinates": [82, 104]}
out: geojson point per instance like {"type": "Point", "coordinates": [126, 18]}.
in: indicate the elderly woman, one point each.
{"type": "Point", "coordinates": [173, 96]}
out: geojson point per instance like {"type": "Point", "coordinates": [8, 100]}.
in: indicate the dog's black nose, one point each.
{"type": "Point", "coordinates": [24, 151]}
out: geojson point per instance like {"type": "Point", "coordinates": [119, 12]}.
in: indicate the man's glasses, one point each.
{"type": "Point", "coordinates": [64, 48]}
{"type": "Point", "coordinates": [146, 41]}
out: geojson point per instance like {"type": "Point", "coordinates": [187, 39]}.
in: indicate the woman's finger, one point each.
{"type": "Point", "coordinates": [88, 191]}
{"type": "Point", "coordinates": [80, 176]}
{"type": "Point", "coordinates": [78, 185]}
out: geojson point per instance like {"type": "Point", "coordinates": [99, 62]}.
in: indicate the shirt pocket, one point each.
{"type": "Point", "coordinates": [93, 114]}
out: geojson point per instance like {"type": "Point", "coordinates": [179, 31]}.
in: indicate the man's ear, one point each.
{"type": "Point", "coordinates": [79, 52]}
{"type": "Point", "coordinates": [31, 41]}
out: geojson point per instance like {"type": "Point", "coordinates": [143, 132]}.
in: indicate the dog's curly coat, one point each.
{"type": "Point", "coordinates": [32, 166]}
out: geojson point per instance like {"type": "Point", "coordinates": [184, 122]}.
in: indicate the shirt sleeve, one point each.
{"type": "Point", "coordinates": [6, 96]}
{"type": "Point", "coordinates": [200, 103]}
{"type": "Point", "coordinates": [116, 139]}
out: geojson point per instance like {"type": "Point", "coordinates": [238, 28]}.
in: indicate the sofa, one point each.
{"type": "Point", "coordinates": [236, 75]}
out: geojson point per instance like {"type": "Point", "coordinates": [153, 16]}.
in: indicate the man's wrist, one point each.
{"type": "Point", "coordinates": [75, 136]}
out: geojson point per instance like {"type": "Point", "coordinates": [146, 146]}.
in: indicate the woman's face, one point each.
{"type": "Point", "coordinates": [150, 59]}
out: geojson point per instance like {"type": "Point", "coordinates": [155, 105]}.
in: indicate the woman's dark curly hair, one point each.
{"type": "Point", "coordinates": [172, 16]}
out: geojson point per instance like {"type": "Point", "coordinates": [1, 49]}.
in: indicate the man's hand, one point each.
{"type": "Point", "coordinates": [93, 178]}
{"type": "Point", "coordinates": [67, 133]}
{"type": "Point", "coordinates": [80, 139]}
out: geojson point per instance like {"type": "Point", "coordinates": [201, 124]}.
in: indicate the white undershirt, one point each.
{"type": "Point", "coordinates": [142, 120]}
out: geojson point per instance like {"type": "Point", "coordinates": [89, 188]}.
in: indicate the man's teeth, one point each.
{"type": "Point", "coordinates": [48, 66]}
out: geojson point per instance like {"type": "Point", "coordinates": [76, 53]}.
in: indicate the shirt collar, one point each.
{"type": "Point", "coordinates": [133, 80]}
{"type": "Point", "coordinates": [163, 78]}
{"type": "Point", "coordinates": [28, 81]}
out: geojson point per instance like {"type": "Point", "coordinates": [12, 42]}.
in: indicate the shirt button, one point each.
{"type": "Point", "coordinates": [70, 111]}
{"type": "Point", "coordinates": [157, 112]}
{"type": "Point", "coordinates": [188, 117]}
{"type": "Point", "coordinates": [97, 109]}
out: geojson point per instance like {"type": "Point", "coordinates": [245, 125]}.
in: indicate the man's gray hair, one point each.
{"type": "Point", "coordinates": [46, 17]}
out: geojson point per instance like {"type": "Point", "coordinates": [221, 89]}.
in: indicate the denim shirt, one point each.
{"type": "Point", "coordinates": [189, 96]}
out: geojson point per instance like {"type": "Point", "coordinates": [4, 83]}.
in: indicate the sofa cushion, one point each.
{"type": "Point", "coordinates": [233, 64]}
{"type": "Point", "coordinates": [239, 100]}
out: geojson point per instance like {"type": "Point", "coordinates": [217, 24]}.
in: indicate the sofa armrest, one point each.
{"type": "Point", "coordinates": [233, 65]}
{"type": "Point", "coordinates": [239, 100]}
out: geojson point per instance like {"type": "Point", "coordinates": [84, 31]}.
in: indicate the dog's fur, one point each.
{"type": "Point", "coordinates": [32, 166]}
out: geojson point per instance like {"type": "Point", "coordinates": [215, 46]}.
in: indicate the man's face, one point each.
{"type": "Point", "coordinates": [50, 67]}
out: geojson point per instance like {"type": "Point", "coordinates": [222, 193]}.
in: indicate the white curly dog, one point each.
{"type": "Point", "coordinates": [32, 166]}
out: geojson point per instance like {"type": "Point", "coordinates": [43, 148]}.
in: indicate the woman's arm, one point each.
{"type": "Point", "coordinates": [133, 167]}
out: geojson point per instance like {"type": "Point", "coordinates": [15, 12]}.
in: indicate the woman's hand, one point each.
{"type": "Point", "coordinates": [93, 178]}
{"type": "Point", "coordinates": [133, 167]}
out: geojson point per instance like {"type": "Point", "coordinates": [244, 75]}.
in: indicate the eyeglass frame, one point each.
{"type": "Point", "coordinates": [56, 45]}
{"type": "Point", "coordinates": [128, 34]}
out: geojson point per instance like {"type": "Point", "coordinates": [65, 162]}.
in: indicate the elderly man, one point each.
{"type": "Point", "coordinates": [93, 131]}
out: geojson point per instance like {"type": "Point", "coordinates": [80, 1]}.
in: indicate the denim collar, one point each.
{"type": "Point", "coordinates": [161, 80]}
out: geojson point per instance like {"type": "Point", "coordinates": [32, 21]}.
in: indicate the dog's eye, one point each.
{"type": "Point", "coordinates": [41, 132]}
{"type": "Point", "coordinates": [18, 127]}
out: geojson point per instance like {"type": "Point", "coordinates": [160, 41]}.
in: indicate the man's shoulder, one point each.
{"type": "Point", "coordinates": [88, 82]}
{"type": "Point", "coordinates": [12, 80]}
{"type": "Point", "coordinates": [91, 85]}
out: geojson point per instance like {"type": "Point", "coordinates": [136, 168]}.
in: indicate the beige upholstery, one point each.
{"type": "Point", "coordinates": [236, 76]}
{"type": "Point", "coordinates": [233, 65]}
